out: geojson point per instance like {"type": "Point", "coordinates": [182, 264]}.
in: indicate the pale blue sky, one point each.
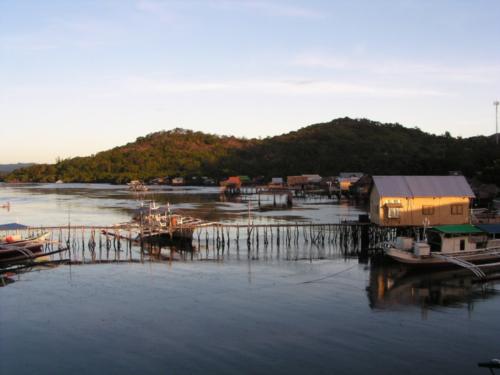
{"type": "Point", "coordinates": [78, 77]}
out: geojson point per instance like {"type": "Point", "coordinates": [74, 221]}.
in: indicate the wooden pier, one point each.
{"type": "Point", "coordinates": [290, 192]}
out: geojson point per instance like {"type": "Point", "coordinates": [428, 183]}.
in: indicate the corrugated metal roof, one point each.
{"type": "Point", "coordinates": [350, 174]}
{"type": "Point", "coordinates": [423, 186]}
{"type": "Point", "coordinates": [234, 180]}
{"type": "Point", "coordinates": [489, 228]}
{"type": "Point", "coordinates": [457, 229]}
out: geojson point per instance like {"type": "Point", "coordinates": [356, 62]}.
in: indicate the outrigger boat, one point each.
{"type": "Point", "coordinates": [16, 241]}
{"type": "Point", "coordinates": [461, 245]}
{"type": "Point", "coordinates": [12, 248]}
{"type": "Point", "coordinates": [152, 222]}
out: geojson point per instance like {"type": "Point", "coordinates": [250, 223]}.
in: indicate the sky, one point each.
{"type": "Point", "coordinates": [79, 77]}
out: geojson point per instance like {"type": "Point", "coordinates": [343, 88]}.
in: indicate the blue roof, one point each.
{"type": "Point", "coordinates": [489, 228]}
{"type": "Point", "coordinates": [12, 226]}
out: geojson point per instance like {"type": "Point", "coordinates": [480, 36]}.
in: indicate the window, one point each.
{"type": "Point", "coordinates": [392, 208]}
{"type": "Point", "coordinates": [394, 201]}
{"type": "Point", "coordinates": [427, 210]}
{"type": "Point", "coordinates": [457, 209]}
{"type": "Point", "coordinates": [394, 213]}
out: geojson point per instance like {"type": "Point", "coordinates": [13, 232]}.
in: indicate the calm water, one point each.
{"type": "Point", "coordinates": [305, 309]}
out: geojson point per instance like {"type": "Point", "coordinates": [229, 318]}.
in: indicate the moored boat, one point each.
{"type": "Point", "coordinates": [12, 248]}
{"type": "Point", "coordinates": [461, 245]}
{"type": "Point", "coordinates": [137, 185]}
{"type": "Point", "coordinates": [16, 240]}
{"type": "Point", "coordinates": [155, 223]}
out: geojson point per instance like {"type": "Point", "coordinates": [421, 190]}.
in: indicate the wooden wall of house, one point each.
{"type": "Point", "coordinates": [415, 211]}
{"type": "Point", "coordinates": [375, 216]}
{"type": "Point", "coordinates": [452, 244]}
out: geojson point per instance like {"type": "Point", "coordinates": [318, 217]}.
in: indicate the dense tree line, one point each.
{"type": "Point", "coordinates": [341, 145]}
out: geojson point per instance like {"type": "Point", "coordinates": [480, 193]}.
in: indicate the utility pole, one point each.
{"type": "Point", "coordinates": [496, 103]}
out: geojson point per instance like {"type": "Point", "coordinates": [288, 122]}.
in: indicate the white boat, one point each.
{"type": "Point", "coordinates": [462, 245]}
{"type": "Point", "coordinates": [158, 222]}
{"type": "Point", "coordinates": [137, 185]}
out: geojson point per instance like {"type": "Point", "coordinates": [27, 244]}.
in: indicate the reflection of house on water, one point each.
{"type": "Point", "coordinates": [393, 287]}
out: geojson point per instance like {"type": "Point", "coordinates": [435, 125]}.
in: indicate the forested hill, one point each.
{"type": "Point", "coordinates": [341, 145]}
{"type": "Point", "coordinates": [6, 168]}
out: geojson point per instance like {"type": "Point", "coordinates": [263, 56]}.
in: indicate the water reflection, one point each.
{"type": "Point", "coordinates": [287, 307]}
{"type": "Point", "coordinates": [13, 273]}
{"type": "Point", "coordinates": [97, 204]}
{"type": "Point", "coordinates": [394, 286]}
{"type": "Point", "coordinates": [82, 251]}
{"type": "Point", "coordinates": [6, 279]}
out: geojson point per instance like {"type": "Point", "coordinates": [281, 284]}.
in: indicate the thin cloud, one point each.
{"type": "Point", "coordinates": [28, 43]}
{"type": "Point", "coordinates": [63, 33]}
{"type": "Point", "coordinates": [275, 8]}
{"type": "Point", "coordinates": [471, 74]}
{"type": "Point", "coordinates": [167, 10]}
{"type": "Point", "coordinates": [147, 87]}
{"type": "Point", "coordinates": [159, 9]}
{"type": "Point", "coordinates": [141, 85]}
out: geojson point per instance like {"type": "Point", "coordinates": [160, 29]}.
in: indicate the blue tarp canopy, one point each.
{"type": "Point", "coordinates": [489, 228]}
{"type": "Point", "coordinates": [12, 226]}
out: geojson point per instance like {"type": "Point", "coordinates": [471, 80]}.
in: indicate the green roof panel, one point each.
{"type": "Point", "coordinates": [245, 179]}
{"type": "Point", "coordinates": [458, 229]}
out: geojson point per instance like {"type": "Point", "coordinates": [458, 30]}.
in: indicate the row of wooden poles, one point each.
{"type": "Point", "coordinates": [349, 238]}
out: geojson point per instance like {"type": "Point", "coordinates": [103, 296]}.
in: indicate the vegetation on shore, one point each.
{"type": "Point", "coordinates": [343, 144]}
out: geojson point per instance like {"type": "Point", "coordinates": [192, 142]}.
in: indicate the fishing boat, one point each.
{"type": "Point", "coordinates": [461, 245]}
{"type": "Point", "coordinates": [16, 240]}
{"type": "Point", "coordinates": [13, 248]}
{"type": "Point", "coordinates": [157, 223]}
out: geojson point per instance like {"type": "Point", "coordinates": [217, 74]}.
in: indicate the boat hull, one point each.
{"type": "Point", "coordinates": [411, 259]}
{"type": "Point", "coordinates": [22, 249]}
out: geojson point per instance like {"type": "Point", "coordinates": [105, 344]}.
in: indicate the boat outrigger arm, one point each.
{"type": "Point", "coordinates": [462, 263]}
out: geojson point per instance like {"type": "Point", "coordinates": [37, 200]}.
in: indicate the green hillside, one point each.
{"type": "Point", "coordinates": [327, 149]}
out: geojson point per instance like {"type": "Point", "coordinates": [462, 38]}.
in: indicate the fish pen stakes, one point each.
{"type": "Point", "coordinates": [116, 243]}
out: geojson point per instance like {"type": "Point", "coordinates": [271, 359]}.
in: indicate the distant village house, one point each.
{"type": "Point", "coordinates": [346, 179]}
{"type": "Point", "coordinates": [232, 182]}
{"type": "Point", "coordinates": [303, 180]}
{"type": "Point", "coordinates": [276, 182]}
{"type": "Point", "coordinates": [177, 181]}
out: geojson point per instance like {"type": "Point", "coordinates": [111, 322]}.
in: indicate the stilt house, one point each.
{"type": "Point", "coordinates": [420, 200]}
